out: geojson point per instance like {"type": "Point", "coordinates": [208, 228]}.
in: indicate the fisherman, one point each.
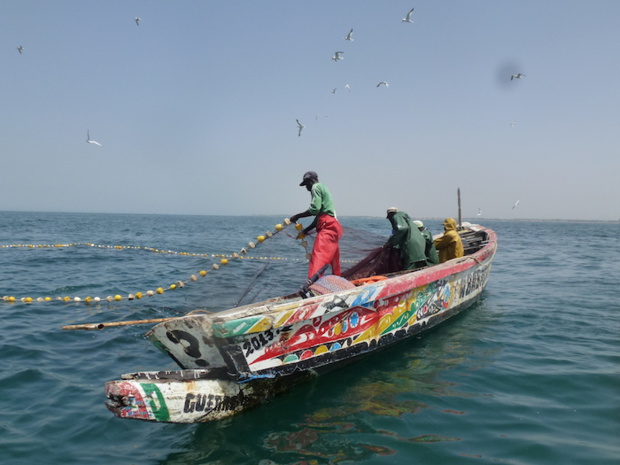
{"type": "Point", "coordinates": [407, 239]}
{"type": "Point", "coordinates": [432, 257]}
{"type": "Point", "coordinates": [449, 245]}
{"type": "Point", "coordinates": [328, 230]}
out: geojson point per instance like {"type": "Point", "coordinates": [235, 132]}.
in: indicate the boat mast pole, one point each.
{"type": "Point", "coordinates": [458, 193]}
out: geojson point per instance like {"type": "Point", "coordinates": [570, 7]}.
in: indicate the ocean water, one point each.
{"type": "Point", "coordinates": [530, 375]}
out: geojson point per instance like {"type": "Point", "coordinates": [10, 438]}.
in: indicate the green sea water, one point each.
{"type": "Point", "coordinates": [530, 375]}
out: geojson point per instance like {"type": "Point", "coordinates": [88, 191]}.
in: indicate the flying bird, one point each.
{"type": "Point", "coordinates": [349, 36]}
{"type": "Point", "coordinates": [383, 83]}
{"type": "Point", "coordinates": [337, 56]}
{"type": "Point", "coordinates": [20, 49]}
{"type": "Point", "coordinates": [90, 141]}
{"type": "Point", "coordinates": [479, 211]}
{"type": "Point", "coordinates": [348, 87]}
{"type": "Point", "coordinates": [515, 205]}
{"type": "Point", "coordinates": [512, 125]}
{"type": "Point", "coordinates": [137, 20]}
{"type": "Point", "coordinates": [517, 76]}
{"type": "Point", "coordinates": [407, 19]}
{"type": "Point", "coordinates": [334, 90]}
{"type": "Point", "coordinates": [300, 127]}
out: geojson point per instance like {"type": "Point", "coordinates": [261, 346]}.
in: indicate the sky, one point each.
{"type": "Point", "coordinates": [195, 108]}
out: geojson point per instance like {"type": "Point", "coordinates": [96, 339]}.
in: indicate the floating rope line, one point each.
{"type": "Point", "coordinates": [224, 260]}
{"type": "Point", "coordinates": [148, 249]}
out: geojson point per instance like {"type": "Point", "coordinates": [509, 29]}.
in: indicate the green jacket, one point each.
{"type": "Point", "coordinates": [408, 239]}
{"type": "Point", "coordinates": [432, 257]}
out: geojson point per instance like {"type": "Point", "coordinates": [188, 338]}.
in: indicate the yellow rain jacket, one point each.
{"type": "Point", "coordinates": [449, 245]}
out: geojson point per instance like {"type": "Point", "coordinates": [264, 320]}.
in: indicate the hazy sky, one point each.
{"type": "Point", "coordinates": [195, 108]}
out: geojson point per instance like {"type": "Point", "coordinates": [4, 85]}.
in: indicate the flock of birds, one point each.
{"type": "Point", "coordinates": [338, 56]}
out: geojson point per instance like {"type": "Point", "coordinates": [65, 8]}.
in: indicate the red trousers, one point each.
{"type": "Point", "coordinates": [326, 250]}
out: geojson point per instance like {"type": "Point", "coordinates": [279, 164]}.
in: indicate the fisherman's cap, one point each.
{"type": "Point", "coordinates": [418, 223]}
{"type": "Point", "coordinates": [307, 176]}
{"type": "Point", "coordinates": [391, 210]}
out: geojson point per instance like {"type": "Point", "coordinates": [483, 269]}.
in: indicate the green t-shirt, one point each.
{"type": "Point", "coordinates": [322, 202]}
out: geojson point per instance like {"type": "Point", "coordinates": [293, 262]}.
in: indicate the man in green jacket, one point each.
{"type": "Point", "coordinates": [407, 239]}
{"type": "Point", "coordinates": [432, 257]}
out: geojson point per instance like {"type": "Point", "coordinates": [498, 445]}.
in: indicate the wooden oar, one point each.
{"type": "Point", "coordinates": [98, 326]}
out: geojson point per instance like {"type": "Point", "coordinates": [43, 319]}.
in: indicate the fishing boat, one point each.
{"type": "Point", "coordinates": [237, 359]}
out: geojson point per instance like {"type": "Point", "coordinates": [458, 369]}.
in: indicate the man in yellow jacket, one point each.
{"type": "Point", "coordinates": [449, 245]}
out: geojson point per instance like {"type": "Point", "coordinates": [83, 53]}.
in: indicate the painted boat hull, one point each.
{"type": "Point", "coordinates": [190, 396]}
{"type": "Point", "coordinates": [236, 355]}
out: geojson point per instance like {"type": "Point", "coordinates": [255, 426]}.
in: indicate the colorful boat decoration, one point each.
{"type": "Point", "coordinates": [237, 359]}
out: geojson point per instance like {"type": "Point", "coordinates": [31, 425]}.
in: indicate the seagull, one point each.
{"type": "Point", "coordinates": [383, 83]}
{"type": "Point", "coordinates": [334, 90]}
{"type": "Point", "coordinates": [512, 125]}
{"type": "Point", "coordinates": [20, 49]}
{"type": "Point", "coordinates": [515, 205]}
{"type": "Point", "coordinates": [300, 127]}
{"type": "Point", "coordinates": [517, 76]}
{"type": "Point", "coordinates": [348, 37]}
{"type": "Point", "coordinates": [348, 87]}
{"type": "Point", "coordinates": [479, 211]}
{"type": "Point", "coordinates": [137, 20]}
{"type": "Point", "coordinates": [91, 141]}
{"type": "Point", "coordinates": [407, 19]}
{"type": "Point", "coordinates": [337, 56]}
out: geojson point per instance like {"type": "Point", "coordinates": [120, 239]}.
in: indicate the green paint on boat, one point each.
{"type": "Point", "coordinates": [235, 327]}
{"type": "Point", "coordinates": [158, 407]}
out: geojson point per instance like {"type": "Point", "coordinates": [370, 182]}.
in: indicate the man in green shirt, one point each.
{"type": "Point", "coordinates": [328, 229]}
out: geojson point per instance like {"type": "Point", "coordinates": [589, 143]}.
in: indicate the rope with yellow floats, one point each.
{"type": "Point", "coordinates": [141, 248]}
{"type": "Point", "coordinates": [224, 260]}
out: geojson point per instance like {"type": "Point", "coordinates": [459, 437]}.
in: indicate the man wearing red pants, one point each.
{"type": "Point", "coordinates": [328, 229]}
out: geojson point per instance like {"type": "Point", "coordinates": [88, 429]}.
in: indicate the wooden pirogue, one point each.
{"type": "Point", "coordinates": [237, 359]}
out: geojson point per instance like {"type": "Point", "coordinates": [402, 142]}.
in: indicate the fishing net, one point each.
{"type": "Point", "coordinates": [379, 261]}
{"type": "Point", "coordinates": [361, 255]}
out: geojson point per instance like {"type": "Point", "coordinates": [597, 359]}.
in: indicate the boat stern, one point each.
{"type": "Point", "coordinates": [126, 399]}
{"type": "Point", "coordinates": [189, 396]}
